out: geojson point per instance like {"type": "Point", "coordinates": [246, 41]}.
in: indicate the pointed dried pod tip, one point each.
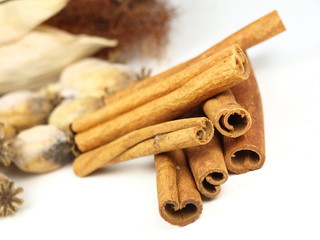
{"type": "Point", "coordinates": [8, 196]}
{"type": "Point", "coordinates": [7, 152]}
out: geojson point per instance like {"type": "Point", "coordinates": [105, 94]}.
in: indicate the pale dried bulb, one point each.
{"type": "Point", "coordinates": [52, 92]}
{"type": "Point", "coordinates": [8, 130]}
{"type": "Point", "coordinates": [24, 109]}
{"type": "Point", "coordinates": [19, 17]}
{"type": "Point", "coordinates": [40, 56]}
{"type": "Point", "coordinates": [42, 149]}
{"type": "Point", "coordinates": [93, 77]}
{"type": "Point", "coordinates": [64, 114]}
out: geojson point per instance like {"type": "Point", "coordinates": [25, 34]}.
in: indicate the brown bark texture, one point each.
{"type": "Point", "coordinates": [256, 32]}
{"type": "Point", "coordinates": [178, 197]}
{"type": "Point", "coordinates": [228, 117]}
{"type": "Point", "coordinates": [151, 92]}
{"type": "Point", "coordinates": [208, 167]}
{"type": "Point", "coordinates": [219, 78]}
{"type": "Point", "coordinates": [155, 139]}
{"type": "Point", "coordinates": [247, 152]}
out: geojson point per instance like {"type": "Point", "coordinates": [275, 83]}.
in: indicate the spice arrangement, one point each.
{"type": "Point", "coordinates": [200, 119]}
{"type": "Point", "coordinates": [217, 88]}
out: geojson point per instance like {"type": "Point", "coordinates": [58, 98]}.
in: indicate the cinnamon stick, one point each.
{"type": "Point", "coordinates": [247, 152]}
{"type": "Point", "coordinates": [208, 167]}
{"type": "Point", "coordinates": [155, 139]}
{"type": "Point", "coordinates": [249, 36]}
{"type": "Point", "coordinates": [228, 117]}
{"type": "Point", "coordinates": [178, 198]}
{"type": "Point", "coordinates": [222, 76]}
{"type": "Point", "coordinates": [151, 92]}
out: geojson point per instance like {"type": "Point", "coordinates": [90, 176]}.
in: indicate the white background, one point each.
{"type": "Point", "coordinates": [279, 201]}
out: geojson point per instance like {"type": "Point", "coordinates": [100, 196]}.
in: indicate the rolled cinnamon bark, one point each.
{"type": "Point", "coordinates": [151, 92]}
{"type": "Point", "coordinates": [252, 34]}
{"type": "Point", "coordinates": [247, 152]}
{"type": "Point", "coordinates": [228, 117]}
{"type": "Point", "coordinates": [179, 200]}
{"type": "Point", "coordinates": [222, 76]}
{"type": "Point", "coordinates": [155, 139]}
{"type": "Point", "coordinates": [208, 167]}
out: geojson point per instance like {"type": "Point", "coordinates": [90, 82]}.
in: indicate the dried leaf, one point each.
{"type": "Point", "coordinates": [41, 55]}
{"type": "Point", "coordinates": [18, 17]}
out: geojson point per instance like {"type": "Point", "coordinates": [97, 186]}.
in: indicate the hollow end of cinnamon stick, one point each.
{"type": "Point", "coordinates": [207, 188]}
{"type": "Point", "coordinates": [228, 117]}
{"type": "Point", "coordinates": [187, 213]}
{"type": "Point", "coordinates": [242, 64]}
{"type": "Point", "coordinates": [179, 200]}
{"type": "Point", "coordinates": [216, 177]}
{"type": "Point", "coordinates": [244, 159]}
{"type": "Point", "coordinates": [205, 134]}
{"type": "Point", "coordinates": [233, 123]}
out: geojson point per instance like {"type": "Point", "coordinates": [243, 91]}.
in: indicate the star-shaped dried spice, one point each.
{"type": "Point", "coordinates": [8, 199]}
{"type": "Point", "coordinates": [7, 152]}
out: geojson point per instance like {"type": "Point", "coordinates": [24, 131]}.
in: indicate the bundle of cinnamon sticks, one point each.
{"type": "Point", "coordinates": [201, 119]}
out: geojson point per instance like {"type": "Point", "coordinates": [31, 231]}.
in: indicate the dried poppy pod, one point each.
{"type": "Point", "coordinates": [63, 115]}
{"type": "Point", "coordinates": [42, 149]}
{"type": "Point", "coordinates": [24, 109]}
{"type": "Point", "coordinates": [92, 77]}
{"type": "Point", "coordinates": [8, 196]}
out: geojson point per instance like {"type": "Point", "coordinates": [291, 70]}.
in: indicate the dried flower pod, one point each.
{"type": "Point", "coordinates": [8, 130]}
{"type": "Point", "coordinates": [8, 196]}
{"type": "Point", "coordinates": [40, 56]}
{"type": "Point", "coordinates": [7, 153]}
{"type": "Point", "coordinates": [42, 149]}
{"type": "Point", "coordinates": [64, 114]}
{"type": "Point", "coordinates": [24, 109]}
{"type": "Point", "coordinates": [93, 77]}
{"type": "Point", "coordinates": [52, 93]}
{"type": "Point", "coordinates": [19, 17]}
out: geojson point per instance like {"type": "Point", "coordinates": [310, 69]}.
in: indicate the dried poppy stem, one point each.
{"type": "Point", "coordinates": [8, 199]}
{"type": "Point", "coordinates": [155, 139]}
{"type": "Point", "coordinates": [151, 92]}
{"type": "Point", "coordinates": [228, 117]}
{"type": "Point", "coordinates": [222, 76]}
{"type": "Point", "coordinates": [179, 200]}
{"type": "Point", "coordinates": [252, 34]}
{"type": "Point", "coordinates": [247, 152]}
{"type": "Point", "coordinates": [208, 167]}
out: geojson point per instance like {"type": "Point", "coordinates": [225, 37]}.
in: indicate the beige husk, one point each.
{"type": "Point", "coordinates": [92, 77]}
{"type": "Point", "coordinates": [41, 55]}
{"type": "Point", "coordinates": [17, 18]}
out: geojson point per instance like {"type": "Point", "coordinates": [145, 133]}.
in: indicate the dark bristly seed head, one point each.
{"type": "Point", "coordinates": [8, 199]}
